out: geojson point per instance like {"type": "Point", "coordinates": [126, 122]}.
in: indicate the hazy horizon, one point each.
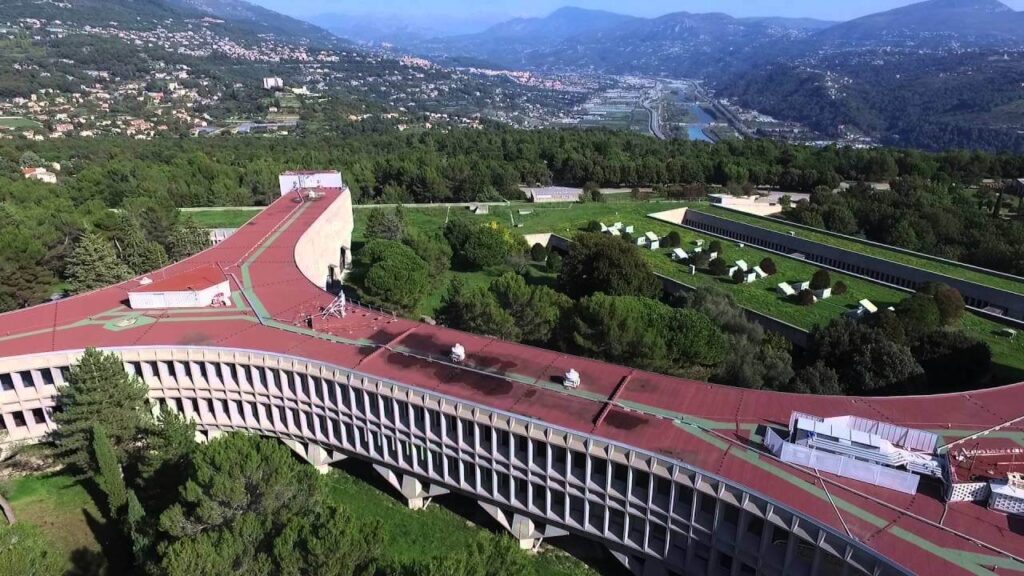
{"type": "Point", "coordinates": [502, 9]}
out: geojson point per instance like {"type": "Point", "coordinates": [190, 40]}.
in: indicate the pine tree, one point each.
{"type": "Point", "coordinates": [94, 264]}
{"type": "Point", "coordinates": [188, 239]}
{"type": "Point", "coordinates": [138, 253]}
{"type": "Point", "coordinates": [23, 279]}
{"type": "Point", "coordinates": [99, 393]}
{"type": "Point", "coordinates": [164, 464]}
{"type": "Point", "coordinates": [108, 473]}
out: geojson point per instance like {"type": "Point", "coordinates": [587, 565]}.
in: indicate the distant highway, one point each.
{"type": "Point", "coordinates": [654, 113]}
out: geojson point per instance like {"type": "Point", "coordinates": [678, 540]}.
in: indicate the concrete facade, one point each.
{"type": "Point", "coordinates": [657, 515]}
{"type": "Point", "coordinates": [318, 250]}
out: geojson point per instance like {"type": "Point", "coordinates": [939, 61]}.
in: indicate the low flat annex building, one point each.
{"type": "Point", "coordinates": [549, 194]}
{"type": "Point", "coordinates": [669, 474]}
{"type": "Point", "coordinates": [309, 179]}
{"type": "Point", "coordinates": [198, 288]}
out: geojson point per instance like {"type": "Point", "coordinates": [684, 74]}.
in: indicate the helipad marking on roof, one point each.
{"type": "Point", "coordinates": [128, 322]}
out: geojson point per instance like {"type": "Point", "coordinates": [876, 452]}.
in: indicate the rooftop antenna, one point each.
{"type": "Point", "coordinates": [336, 308]}
{"type": "Point", "coordinates": [980, 434]}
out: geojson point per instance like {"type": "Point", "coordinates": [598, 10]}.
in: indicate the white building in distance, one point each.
{"type": "Point", "coordinates": [272, 82]}
{"type": "Point", "coordinates": [304, 180]}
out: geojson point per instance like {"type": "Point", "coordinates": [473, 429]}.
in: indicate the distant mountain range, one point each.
{"type": "Point", "coordinates": [240, 17]}
{"type": "Point", "coordinates": [712, 44]}
{"type": "Point", "coordinates": [932, 24]}
{"type": "Point", "coordinates": [404, 29]}
{"type": "Point", "coordinates": [261, 20]}
{"type": "Point", "coordinates": [936, 74]}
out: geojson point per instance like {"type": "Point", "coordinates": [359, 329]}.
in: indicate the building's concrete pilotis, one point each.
{"type": "Point", "coordinates": [658, 516]}
{"type": "Point", "coordinates": [417, 494]}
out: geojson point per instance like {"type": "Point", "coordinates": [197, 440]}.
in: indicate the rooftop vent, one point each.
{"type": "Point", "coordinates": [458, 354]}
{"type": "Point", "coordinates": [145, 281]}
{"type": "Point", "coordinates": [572, 379]}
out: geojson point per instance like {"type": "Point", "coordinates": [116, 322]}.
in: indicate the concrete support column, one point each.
{"type": "Point", "coordinates": [204, 436]}
{"type": "Point", "coordinates": [317, 456]}
{"type": "Point", "coordinates": [527, 532]}
{"type": "Point", "coordinates": [417, 494]}
{"type": "Point", "coordinates": [639, 566]}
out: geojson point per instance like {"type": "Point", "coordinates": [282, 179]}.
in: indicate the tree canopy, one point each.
{"type": "Point", "coordinates": [99, 393]}
{"type": "Point", "coordinates": [249, 507]}
{"type": "Point", "coordinates": [392, 274]}
{"type": "Point", "coordinates": [602, 263]}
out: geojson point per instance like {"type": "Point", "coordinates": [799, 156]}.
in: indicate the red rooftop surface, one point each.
{"type": "Point", "coordinates": [192, 280]}
{"type": "Point", "coordinates": [714, 428]}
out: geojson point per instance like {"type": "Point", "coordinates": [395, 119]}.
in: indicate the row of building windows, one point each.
{"type": "Point", "coordinates": [578, 490]}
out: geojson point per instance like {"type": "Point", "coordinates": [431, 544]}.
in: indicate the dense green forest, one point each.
{"type": "Point", "coordinates": [41, 224]}
{"type": "Point", "coordinates": [938, 218]}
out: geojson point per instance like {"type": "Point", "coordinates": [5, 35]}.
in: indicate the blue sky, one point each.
{"type": "Point", "coordinates": [825, 9]}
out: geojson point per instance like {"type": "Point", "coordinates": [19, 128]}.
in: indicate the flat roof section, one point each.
{"type": "Point", "coordinates": [197, 279]}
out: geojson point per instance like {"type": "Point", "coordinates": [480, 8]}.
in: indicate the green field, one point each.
{"type": "Point", "coordinates": [221, 218]}
{"type": "Point", "coordinates": [436, 531]}
{"type": "Point", "coordinates": [19, 123]}
{"type": "Point", "coordinates": [939, 267]}
{"type": "Point", "coordinates": [566, 220]}
{"type": "Point", "coordinates": [64, 511]}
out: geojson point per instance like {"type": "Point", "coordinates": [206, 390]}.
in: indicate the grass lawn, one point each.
{"type": "Point", "coordinates": [64, 511]}
{"type": "Point", "coordinates": [945, 268]}
{"type": "Point", "coordinates": [568, 219]}
{"type": "Point", "coordinates": [19, 123]}
{"type": "Point", "coordinates": [436, 531]}
{"type": "Point", "coordinates": [222, 218]}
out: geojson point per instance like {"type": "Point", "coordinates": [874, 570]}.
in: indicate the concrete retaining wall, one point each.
{"type": "Point", "coordinates": [879, 270]}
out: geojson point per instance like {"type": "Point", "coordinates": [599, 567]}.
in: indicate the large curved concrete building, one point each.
{"type": "Point", "coordinates": [672, 475]}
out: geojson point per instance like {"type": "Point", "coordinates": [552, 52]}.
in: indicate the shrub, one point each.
{"type": "Point", "coordinates": [840, 288]}
{"type": "Point", "coordinates": [715, 246]}
{"type": "Point", "coordinates": [768, 266]}
{"type": "Point", "coordinates": [673, 240]}
{"type": "Point", "coordinates": [538, 253]}
{"type": "Point", "coordinates": [805, 298]}
{"type": "Point", "coordinates": [718, 267]}
{"type": "Point", "coordinates": [821, 280]}
{"type": "Point", "coordinates": [738, 276]}
{"type": "Point", "coordinates": [554, 264]}
{"type": "Point", "coordinates": [593, 226]}
{"type": "Point", "coordinates": [701, 259]}
{"type": "Point", "coordinates": [949, 301]}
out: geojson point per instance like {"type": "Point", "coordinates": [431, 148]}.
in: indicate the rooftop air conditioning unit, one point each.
{"type": "Point", "coordinates": [458, 354]}
{"type": "Point", "coordinates": [145, 281]}
{"type": "Point", "coordinates": [572, 379]}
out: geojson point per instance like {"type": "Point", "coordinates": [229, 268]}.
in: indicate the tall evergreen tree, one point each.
{"type": "Point", "coordinates": [166, 454]}
{"type": "Point", "coordinates": [94, 264]}
{"type": "Point", "coordinates": [99, 393]}
{"type": "Point", "coordinates": [138, 253]}
{"type": "Point", "coordinates": [108, 473]}
{"type": "Point", "coordinates": [188, 239]}
{"type": "Point", "coordinates": [24, 280]}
